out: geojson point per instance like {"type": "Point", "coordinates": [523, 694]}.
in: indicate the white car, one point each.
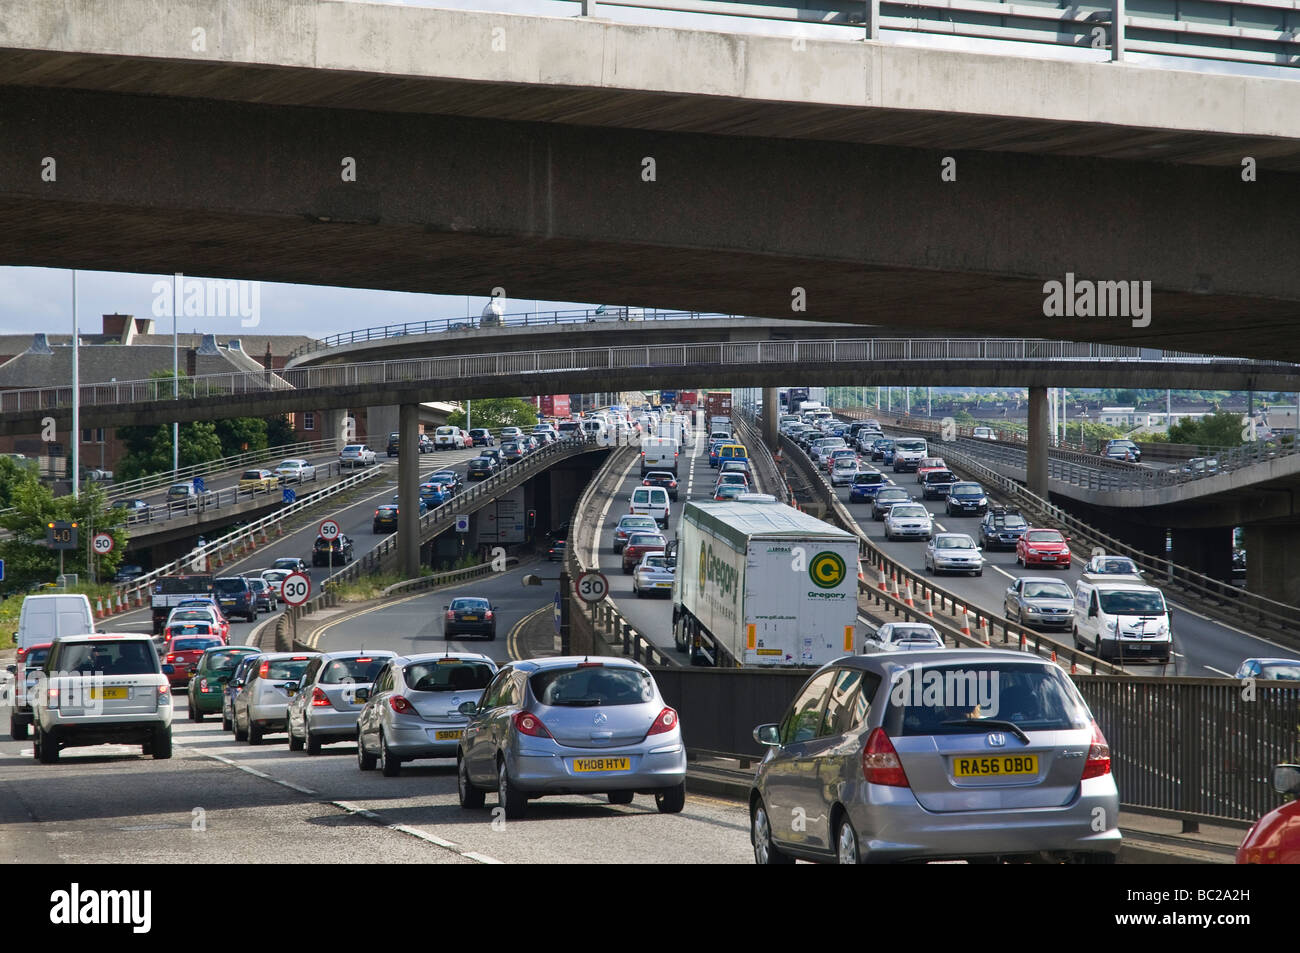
{"type": "Point", "coordinates": [295, 471]}
{"type": "Point", "coordinates": [983, 433]}
{"type": "Point", "coordinates": [844, 471]}
{"type": "Point", "coordinates": [356, 455]}
{"type": "Point", "coordinates": [908, 521]}
{"type": "Point", "coordinates": [654, 575]}
{"type": "Point", "coordinates": [902, 637]}
{"type": "Point", "coordinates": [953, 552]}
{"type": "Point", "coordinates": [111, 689]}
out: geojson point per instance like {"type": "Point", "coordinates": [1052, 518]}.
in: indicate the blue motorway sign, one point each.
{"type": "Point", "coordinates": [198, 485]}
{"type": "Point", "coordinates": [289, 495]}
{"type": "Point", "coordinates": [2, 570]}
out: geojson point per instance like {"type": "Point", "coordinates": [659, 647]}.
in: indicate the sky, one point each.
{"type": "Point", "coordinates": [40, 299]}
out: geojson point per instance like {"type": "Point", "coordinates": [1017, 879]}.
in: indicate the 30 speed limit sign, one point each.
{"type": "Point", "coordinates": [296, 589]}
{"type": "Point", "coordinates": [591, 586]}
{"type": "Point", "coordinates": [102, 543]}
{"type": "Point", "coordinates": [329, 529]}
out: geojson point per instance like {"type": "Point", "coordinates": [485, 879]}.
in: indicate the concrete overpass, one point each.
{"type": "Point", "coordinates": [782, 178]}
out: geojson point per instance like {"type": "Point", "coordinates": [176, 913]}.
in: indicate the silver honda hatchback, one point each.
{"type": "Point", "coordinates": [571, 725]}
{"type": "Point", "coordinates": [935, 755]}
{"type": "Point", "coordinates": [414, 708]}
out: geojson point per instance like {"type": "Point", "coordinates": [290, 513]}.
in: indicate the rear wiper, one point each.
{"type": "Point", "coordinates": [984, 724]}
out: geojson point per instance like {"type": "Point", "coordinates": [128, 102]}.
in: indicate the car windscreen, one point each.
{"type": "Point", "coordinates": [1009, 522]}
{"type": "Point", "coordinates": [286, 668]}
{"type": "Point", "coordinates": [229, 585]}
{"type": "Point", "coordinates": [448, 675]}
{"type": "Point", "coordinates": [912, 633]}
{"type": "Point", "coordinates": [956, 698]}
{"type": "Point", "coordinates": [1047, 590]}
{"type": "Point", "coordinates": [1116, 566]}
{"type": "Point", "coordinates": [906, 512]}
{"type": "Point", "coordinates": [593, 685]}
{"type": "Point", "coordinates": [1132, 602]}
{"type": "Point", "coordinates": [109, 658]}
{"type": "Point", "coordinates": [1044, 536]}
{"type": "Point", "coordinates": [954, 542]}
{"type": "Point", "coordinates": [351, 671]}
{"type": "Point", "coordinates": [967, 489]}
{"type": "Point", "coordinates": [1281, 672]}
{"type": "Point", "coordinates": [193, 645]}
{"type": "Point", "coordinates": [910, 445]}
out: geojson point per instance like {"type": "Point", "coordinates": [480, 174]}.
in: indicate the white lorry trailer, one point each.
{"type": "Point", "coordinates": [763, 584]}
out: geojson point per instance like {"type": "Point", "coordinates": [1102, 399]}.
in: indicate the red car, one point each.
{"type": "Point", "coordinates": [184, 652]}
{"type": "Point", "coordinates": [638, 544]}
{"type": "Point", "coordinates": [927, 465]}
{"type": "Point", "coordinates": [1275, 837]}
{"type": "Point", "coordinates": [1043, 547]}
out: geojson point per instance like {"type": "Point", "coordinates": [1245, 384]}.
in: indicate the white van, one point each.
{"type": "Point", "coordinates": [659, 453]}
{"type": "Point", "coordinates": [46, 618]}
{"type": "Point", "coordinates": [650, 501]}
{"type": "Point", "coordinates": [1122, 620]}
{"type": "Point", "coordinates": [909, 452]}
{"type": "Point", "coordinates": [597, 428]}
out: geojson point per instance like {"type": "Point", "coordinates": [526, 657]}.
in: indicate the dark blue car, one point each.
{"type": "Point", "coordinates": [434, 494]}
{"type": "Point", "coordinates": [866, 485]}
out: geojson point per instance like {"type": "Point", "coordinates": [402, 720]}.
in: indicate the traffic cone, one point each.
{"type": "Point", "coordinates": [279, 527]}
{"type": "Point", "coordinates": [1053, 655]}
{"type": "Point", "coordinates": [99, 608]}
{"type": "Point", "coordinates": [965, 621]}
{"type": "Point", "coordinates": [881, 584]}
{"type": "Point", "coordinates": [908, 600]}
{"type": "Point", "coordinates": [1024, 643]}
{"type": "Point", "coordinates": [120, 607]}
{"type": "Point", "coordinates": [1074, 666]}
{"type": "Point", "coordinates": [265, 539]}
{"type": "Point", "coordinates": [929, 605]}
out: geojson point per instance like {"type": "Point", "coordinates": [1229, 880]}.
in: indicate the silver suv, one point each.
{"type": "Point", "coordinates": [935, 755]}
{"type": "Point", "coordinates": [101, 689]}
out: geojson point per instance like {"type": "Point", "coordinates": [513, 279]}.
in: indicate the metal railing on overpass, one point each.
{"type": "Point", "coordinates": [1262, 32]}
{"type": "Point", "coordinates": [522, 319]}
{"type": "Point", "coordinates": [643, 357]}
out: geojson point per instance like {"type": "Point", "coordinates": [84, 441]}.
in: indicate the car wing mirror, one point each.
{"type": "Point", "coordinates": [12, 669]}
{"type": "Point", "coordinates": [362, 695]}
{"type": "Point", "coordinates": [291, 688]}
{"type": "Point", "coordinates": [468, 708]}
{"type": "Point", "coordinates": [1092, 612]}
{"type": "Point", "coordinates": [1286, 779]}
{"type": "Point", "coordinates": [767, 736]}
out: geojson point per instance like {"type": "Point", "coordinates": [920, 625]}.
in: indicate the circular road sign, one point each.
{"type": "Point", "coordinates": [329, 529]}
{"type": "Point", "coordinates": [591, 586]}
{"type": "Point", "coordinates": [102, 543]}
{"type": "Point", "coordinates": [296, 589]}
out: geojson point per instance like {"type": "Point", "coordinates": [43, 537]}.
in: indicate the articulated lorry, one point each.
{"type": "Point", "coordinates": [763, 584]}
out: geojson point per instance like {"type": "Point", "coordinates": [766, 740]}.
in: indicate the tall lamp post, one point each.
{"type": "Point", "coordinates": [76, 394]}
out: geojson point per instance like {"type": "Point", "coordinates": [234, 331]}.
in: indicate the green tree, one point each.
{"type": "Point", "coordinates": [1220, 429]}
{"type": "Point", "coordinates": [495, 413]}
{"type": "Point", "coordinates": [279, 432]}
{"type": "Point", "coordinates": [241, 434]}
{"type": "Point", "coordinates": [28, 558]}
{"type": "Point", "coordinates": [149, 449]}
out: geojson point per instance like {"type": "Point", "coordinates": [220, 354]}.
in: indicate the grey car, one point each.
{"type": "Point", "coordinates": [571, 725]}
{"type": "Point", "coordinates": [903, 637]}
{"type": "Point", "coordinates": [1040, 603]}
{"type": "Point", "coordinates": [953, 552]}
{"type": "Point", "coordinates": [261, 702]}
{"type": "Point", "coordinates": [874, 763]}
{"type": "Point", "coordinates": [330, 694]}
{"type": "Point", "coordinates": [414, 708]}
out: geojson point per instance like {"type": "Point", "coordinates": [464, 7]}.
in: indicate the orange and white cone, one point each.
{"type": "Point", "coordinates": [965, 621]}
{"type": "Point", "coordinates": [99, 608]}
{"type": "Point", "coordinates": [929, 605]}
{"type": "Point", "coordinates": [1074, 666]}
{"type": "Point", "coordinates": [881, 584]}
{"type": "Point", "coordinates": [1053, 655]}
{"type": "Point", "coordinates": [908, 599]}
{"type": "Point", "coordinates": [1024, 643]}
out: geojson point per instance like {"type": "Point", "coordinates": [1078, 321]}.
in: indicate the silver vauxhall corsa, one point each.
{"type": "Point", "coordinates": [330, 694]}
{"type": "Point", "coordinates": [571, 725]}
{"type": "Point", "coordinates": [935, 755]}
{"type": "Point", "coordinates": [414, 708]}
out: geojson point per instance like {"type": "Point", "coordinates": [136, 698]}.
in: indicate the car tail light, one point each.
{"type": "Point", "coordinates": [526, 723]}
{"type": "Point", "coordinates": [488, 615]}
{"type": "Point", "coordinates": [1098, 762]}
{"type": "Point", "coordinates": [263, 669]}
{"type": "Point", "coordinates": [318, 698]}
{"type": "Point", "coordinates": [880, 764]}
{"type": "Point", "coordinates": [451, 616]}
{"type": "Point", "coordinates": [52, 697]}
{"type": "Point", "coordinates": [666, 721]}
{"type": "Point", "coordinates": [171, 656]}
{"type": "Point", "coordinates": [401, 705]}
{"type": "Point", "coordinates": [22, 654]}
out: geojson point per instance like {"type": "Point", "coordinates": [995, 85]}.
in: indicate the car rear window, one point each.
{"type": "Point", "coordinates": [230, 585]}
{"type": "Point", "coordinates": [286, 668]}
{"type": "Point", "coordinates": [36, 657]}
{"type": "Point", "coordinates": [467, 603]}
{"type": "Point", "coordinates": [225, 660]}
{"type": "Point", "coordinates": [252, 475]}
{"type": "Point", "coordinates": [191, 615]}
{"type": "Point", "coordinates": [636, 521]}
{"type": "Point", "coordinates": [193, 645]}
{"type": "Point", "coordinates": [922, 698]}
{"type": "Point", "coordinates": [590, 686]}
{"type": "Point", "coordinates": [109, 658]}
{"type": "Point", "coordinates": [646, 539]}
{"type": "Point", "coordinates": [870, 479]}
{"type": "Point", "coordinates": [1280, 672]}
{"type": "Point", "coordinates": [191, 628]}
{"type": "Point", "coordinates": [350, 671]}
{"type": "Point", "coordinates": [448, 675]}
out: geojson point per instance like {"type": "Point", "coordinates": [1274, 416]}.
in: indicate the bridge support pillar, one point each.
{"type": "Point", "coordinates": [1207, 550]}
{"type": "Point", "coordinates": [771, 417]}
{"type": "Point", "coordinates": [1272, 561]}
{"type": "Point", "coordinates": [380, 422]}
{"type": "Point", "coordinates": [408, 490]}
{"type": "Point", "coordinates": [1040, 441]}
{"type": "Point", "coordinates": [334, 426]}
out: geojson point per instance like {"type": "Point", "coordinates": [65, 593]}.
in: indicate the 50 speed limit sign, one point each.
{"type": "Point", "coordinates": [591, 586]}
{"type": "Point", "coordinates": [296, 589]}
{"type": "Point", "coordinates": [329, 529]}
{"type": "Point", "coordinates": [102, 544]}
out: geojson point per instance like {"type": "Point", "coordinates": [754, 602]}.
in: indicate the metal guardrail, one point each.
{"type": "Point", "coordinates": [767, 472]}
{"type": "Point", "coordinates": [147, 484]}
{"type": "Point", "coordinates": [551, 361]}
{"type": "Point", "coordinates": [1262, 32]}
{"type": "Point", "coordinates": [229, 546]}
{"type": "Point", "coordinates": [524, 319]}
{"type": "Point", "coordinates": [1218, 598]}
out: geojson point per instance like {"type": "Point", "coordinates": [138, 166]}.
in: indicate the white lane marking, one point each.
{"type": "Point", "coordinates": [989, 565]}
{"type": "Point", "coordinates": [1220, 671]}
{"type": "Point", "coordinates": [600, 523]}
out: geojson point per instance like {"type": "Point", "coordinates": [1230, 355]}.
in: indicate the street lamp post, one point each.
{"type": "Point", "coordinates": [76, 394]}
{"type": "Point", "coordinates": [176, 374]}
